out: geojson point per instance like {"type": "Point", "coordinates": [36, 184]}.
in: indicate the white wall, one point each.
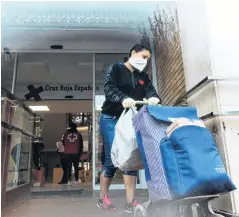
{"type": "Point", "coordinates": [194, 39]}
{"type": "Point", "coordinates": [210, 48]}
{"type": "Point", "coordinates": [222, 20]}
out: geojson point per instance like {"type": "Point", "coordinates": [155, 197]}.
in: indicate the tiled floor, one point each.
{"type": "Point", "coordinates": [66, 207]}
{"type": "Point", "coordinates": [57, 187]}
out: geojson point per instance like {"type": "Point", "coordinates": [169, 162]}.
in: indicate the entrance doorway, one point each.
{"type": "Point", "coordinates": [70, 84]}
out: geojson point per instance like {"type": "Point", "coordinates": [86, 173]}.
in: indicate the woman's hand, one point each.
{"type": "Point", "coordinates": [128, 102]}
{"type": "Point", "coordinates": [153, 101]}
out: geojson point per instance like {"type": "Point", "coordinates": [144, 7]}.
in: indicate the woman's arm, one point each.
{"type": "Point", "coordinates": [112, 92]}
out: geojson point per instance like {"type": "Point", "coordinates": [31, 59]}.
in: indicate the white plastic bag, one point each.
{"type": "Point", "coordinates": [125, 153]}
{"type": "Point", "coordinates": [60, 147]}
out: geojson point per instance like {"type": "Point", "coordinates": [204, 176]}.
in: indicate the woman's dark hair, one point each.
{"type": "Point", "coordinates": [139, 47]}
{"type": "Point", "coordinates": [73, 127]}
{"type": "Point", "coordinates": [126, 59]}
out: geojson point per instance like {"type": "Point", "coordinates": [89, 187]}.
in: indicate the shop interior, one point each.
{"type": "Point", "coordinates": [56, 121]}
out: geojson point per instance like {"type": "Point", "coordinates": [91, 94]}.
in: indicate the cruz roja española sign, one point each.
{"type": "Point", "coordinates": [70, 87]}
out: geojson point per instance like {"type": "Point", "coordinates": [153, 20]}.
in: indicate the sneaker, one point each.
{"type": "Point", "coordinates": [106, 204]}
{"type": "Point", "coordinates": [36, 184]}
{"type": "Point", "coordinates": [69, 183]}
{"type": "Point", "coordinates": [130, 207]}
{"type": "Point", "coordinates": [77, 182]}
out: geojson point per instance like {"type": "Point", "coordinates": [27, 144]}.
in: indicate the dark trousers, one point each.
{"type": "Point", "coordinates": [36, 161]}
{"type": "Point", "coordinates": [64, 165]}
{"type": "Point", "coordinates": [73, 159]}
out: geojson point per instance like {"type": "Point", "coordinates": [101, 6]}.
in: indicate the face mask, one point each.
{"type": "Point", "coordinates": [138, 63]}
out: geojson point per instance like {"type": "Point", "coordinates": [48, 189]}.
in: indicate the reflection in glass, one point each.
{"type": "Point", "coordinates": [7, 68]}
{"type": "Point", "coordinates": [81, 119]}
{"type": "Point", "coordinates": [18, 168]}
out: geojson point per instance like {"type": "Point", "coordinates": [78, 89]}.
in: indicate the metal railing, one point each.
{"type": "Point", "coordinates": [16, 129]}
{"type": "Point", "coordinates": [20, 103]}
{"type": "Point", "coordinates": [213, 114]}
{"type": "Point", "coordinates": [201, 85]}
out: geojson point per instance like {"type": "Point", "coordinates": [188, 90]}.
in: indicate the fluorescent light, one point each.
{"type": "Point", "coordinates": [85, 128]}
{"type": "Point", "coordinates": [41, 108]}
{"type": "Point", "coordinates": [98, 108]}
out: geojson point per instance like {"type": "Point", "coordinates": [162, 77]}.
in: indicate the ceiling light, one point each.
{"type": "Point", "coordinates": [85, 128]}
{"type": "Point", "coordinates": [41, 108]}
{"type": "Point", "coordinates": [98, 108]}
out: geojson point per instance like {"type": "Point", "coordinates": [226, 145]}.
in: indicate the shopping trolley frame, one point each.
{"type": "Point", "coordinates": [199, 206]}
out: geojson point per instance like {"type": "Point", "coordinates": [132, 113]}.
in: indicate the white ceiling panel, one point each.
{"type": "Point", "coordinates": [64, 106]}
{"type": "Point", "coordinates": [34, 69]}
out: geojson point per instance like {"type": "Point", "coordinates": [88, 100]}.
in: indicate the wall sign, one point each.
{"type": "Point", "coordinates": [39, 92]}
{"type": "Point", "coordinates": [69, 87]}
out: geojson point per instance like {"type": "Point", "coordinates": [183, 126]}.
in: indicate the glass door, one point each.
{"type": "Point", "coordinates": [101, 63]}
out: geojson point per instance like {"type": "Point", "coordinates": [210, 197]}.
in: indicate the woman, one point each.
{"type": "Point", "coordinates": [125, 83]}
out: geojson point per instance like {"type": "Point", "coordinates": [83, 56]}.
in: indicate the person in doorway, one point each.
{"type": "Point", "coordinates": [73, 145]}
{"type": "Point", "coordinates": [125, 83]}
{"type": "Point", "coordinates": [38, 147]}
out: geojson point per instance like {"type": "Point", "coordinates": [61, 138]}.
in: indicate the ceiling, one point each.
{"type": "Point", "coordinates": [72, 41]}
{"type": "Point", "coordinates": [63, 106]}
{"type": "Point", "coordinates": [76, 25]}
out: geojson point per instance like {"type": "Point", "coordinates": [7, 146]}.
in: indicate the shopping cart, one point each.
{"type": "Point", "coordinates": [187, 207]}
{"type": "Point", "coordinates": [199, 206]}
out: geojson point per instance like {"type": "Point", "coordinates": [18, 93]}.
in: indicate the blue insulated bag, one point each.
{"type": "Point", "coordinates": [192, 163]}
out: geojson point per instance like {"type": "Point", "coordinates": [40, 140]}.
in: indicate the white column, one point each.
{"type": "Point", "coordinates": [210, 44]}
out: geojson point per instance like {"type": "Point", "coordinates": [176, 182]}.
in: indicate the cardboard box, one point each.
{"type": "Point", "coordinates": [88, 175]}
{"type": "Point", "coordinates": [88, 172]}
{"type": "Point", "coordinates": [57, 175]}
{"type": "Point", "coordinates": [81, 174]}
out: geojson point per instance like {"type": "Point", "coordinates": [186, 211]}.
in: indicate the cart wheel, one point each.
{"type": "Point", "coordinates": [140, 211]}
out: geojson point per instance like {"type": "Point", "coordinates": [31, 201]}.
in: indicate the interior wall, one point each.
{"type": "Point", "coordinates": [53, 128]}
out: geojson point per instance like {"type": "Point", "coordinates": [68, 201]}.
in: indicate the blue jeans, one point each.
{"type": "Point", "coordinates": [107, 130]}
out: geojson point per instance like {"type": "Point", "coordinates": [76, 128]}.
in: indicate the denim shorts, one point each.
{"type": "Point", "coordinates": [107, 130]}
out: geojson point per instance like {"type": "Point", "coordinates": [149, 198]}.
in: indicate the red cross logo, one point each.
{"type": "Point", "coordinates": [72, 137]}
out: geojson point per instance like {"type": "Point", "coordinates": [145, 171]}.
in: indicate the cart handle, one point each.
{"type": "Point", "coordinates": [141, 103]}
{"type": "Point", "coordinates": [138, 103]}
